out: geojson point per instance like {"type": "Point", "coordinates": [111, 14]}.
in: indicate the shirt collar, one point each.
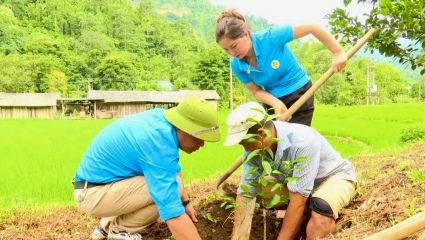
{"type": "Point", "coordinates": [255, 45]}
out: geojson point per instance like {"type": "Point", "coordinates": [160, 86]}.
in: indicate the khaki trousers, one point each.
{"type": "Point", "coordinates": [336, 192]}
{"type": "Point", "coordinates": [125, 205]}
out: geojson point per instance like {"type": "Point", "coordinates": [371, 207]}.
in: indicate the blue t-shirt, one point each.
{"type": "Point", "coordinates": [279, 71]}
{"type": "Point", "coordinates": [142, 144]}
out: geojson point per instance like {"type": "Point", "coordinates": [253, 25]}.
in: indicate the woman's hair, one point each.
{"type": "Point", "coordinates": [230, 24]}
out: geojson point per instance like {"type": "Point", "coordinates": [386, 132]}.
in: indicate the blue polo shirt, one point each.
{"type": "Point", "coordinates": [279, 71]}
{"type": "Point", "coordinates": [142, 144]}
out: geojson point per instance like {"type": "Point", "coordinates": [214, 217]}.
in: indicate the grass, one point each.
{"type": "Point", "coordinates": [39, 157]}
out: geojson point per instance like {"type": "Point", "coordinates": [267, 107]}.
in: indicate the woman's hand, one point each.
{"type": "Point", "coordinates": [339, 60]}
{"type": "Point", "coordinates": [279, 112]}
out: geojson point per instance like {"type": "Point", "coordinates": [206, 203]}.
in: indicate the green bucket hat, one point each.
{"type": "Point", "coordinates": [197, 117]}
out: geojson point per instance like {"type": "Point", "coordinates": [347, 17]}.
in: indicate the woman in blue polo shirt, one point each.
{"type": "Point", "coordinates": [266, 65]}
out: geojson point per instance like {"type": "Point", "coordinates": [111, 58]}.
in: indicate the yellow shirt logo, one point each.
{"type": "Point", "coordinates": [275, 64]}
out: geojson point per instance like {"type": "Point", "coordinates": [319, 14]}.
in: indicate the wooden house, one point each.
{"type": "Point", "coordinates": [120, 103]}
{"type": "Point", "coordinates": [28, 105]}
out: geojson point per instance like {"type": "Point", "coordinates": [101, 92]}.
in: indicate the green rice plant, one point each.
{"type": "Point", "coordinates": [39, 157]}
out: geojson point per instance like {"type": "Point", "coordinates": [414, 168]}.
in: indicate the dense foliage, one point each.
{"type": "Point", "coordinates": [69, 46]}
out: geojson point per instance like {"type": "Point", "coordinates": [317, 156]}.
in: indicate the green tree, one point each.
{"type": "Point", "coordinates": [16, 74]}
{"type": "Point", "coordinates": [32, 73]}
{"type": "Point", "coordinates": [183, 84]}
{"type": "Point", "coordinates": [44, 44]}
{"type": "Point", "coordinates": [94, 40]}
{"type": "Point", "coordinates": [399, 24]}
{"type": "Point", "coordinates": [390, 79]}
{"type": "Point", "coordinates": [417, 90]}
{"type": "Point", "coordinates": [212, 73]}
{"type": "Point", "coordinates": [11, 35]}
{"type": "Point", "coordinates": [79, 75]}
{"type": "Point", "coordinates": [115, 73]}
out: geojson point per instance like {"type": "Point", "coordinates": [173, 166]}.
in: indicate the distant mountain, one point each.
{"type": "Point", "coordinates": [405, 69]}
{"type": "Point", "coordinates": [201, 14]}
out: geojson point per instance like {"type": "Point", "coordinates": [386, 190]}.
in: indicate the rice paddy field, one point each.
{"type": "Point", "coordinates": [38, 157]}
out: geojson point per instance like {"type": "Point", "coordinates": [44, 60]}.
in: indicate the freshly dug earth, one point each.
{"type": "Point", "coordinates": [391, 188]}
{"type": "Point", "coordinates": [214, 222]}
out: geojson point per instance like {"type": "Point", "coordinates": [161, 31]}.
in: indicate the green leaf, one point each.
{"type": "Point", "coordinates": [263, 181]}
{"type": "Point", "coordinates": [246, 189]}
{"type": "Point", "coordinates": [252, 170]}
{"type": "Point", "coordinates": [277, 186]}
{"type": "Point", "coordinates": [255, 184]}
{"type": "Point", "coordinates": [277, 172]}
{"type": "Point", "coordinates": [270, 152]}
{"type": "Point", "coordinates": [274, 140]}
{"type": "Point", "coordinates": [267, 132]}
{"type": "Point", "coordinates": [270, 117]}
{"type": "Point", "coordinates": [252, 140]}
{"type": "Point", "coordinates": [252, 154]}
{"type": "Point", "coordinates": [247, 136]}
{"type": "Point", "coordinates": [291, 179]}
{"type": "Point", "coordinates": [253, 120]}
{"type": "Point", "coordinates": [258, 110]}
{"type": "Point", "coordinates": [297, 167]}
{"type": "Point", "coordinates": [300, 159]}
{"type": "Point", "coordinates": [267, 167]}
{"type": "Point", "coordinates": [286, 165]}
{"type": "Point", "coordinates": [272, 202]}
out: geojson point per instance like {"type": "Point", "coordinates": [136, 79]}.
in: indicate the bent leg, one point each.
{"type": "Point", "coordinates": [325, 204]}
{"type": "Point", "coordinates": [123, 199]}
{"type": "Point", "coordinates": [322, 221]}
{"type": "Point", "coordinates": [128, 200]}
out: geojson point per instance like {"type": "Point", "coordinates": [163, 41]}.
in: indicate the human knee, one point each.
{"type": "Point", "coordinates": [325, 215]}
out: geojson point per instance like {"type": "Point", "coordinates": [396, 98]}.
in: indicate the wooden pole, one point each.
{"type": "Point", "coordinates": [242, 224]}
{"type": "Point", "coordinates": [95, 109]}
{"type": "Point", "coordinates": [63, 109]}
{"type": "Point", "coordinates": [401, 230]}
{"type": "Point", "coordinates": [422, 237]}
{"type": "Point", "coordinates": [327, 75]}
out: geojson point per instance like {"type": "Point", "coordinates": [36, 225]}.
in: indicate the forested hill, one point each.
{"type": "Point", "coordinates": [72, 45]}
{"type": "Point", "coordinates": [201, 14]}
{"type": "Point", "coordinates": [69, 46]}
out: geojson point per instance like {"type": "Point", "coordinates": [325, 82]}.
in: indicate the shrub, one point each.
{"type": "Point", "coordinates": [413, 133]}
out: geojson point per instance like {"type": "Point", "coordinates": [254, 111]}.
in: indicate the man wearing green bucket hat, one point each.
{"type": "Point", "coordinates": [130, 174]}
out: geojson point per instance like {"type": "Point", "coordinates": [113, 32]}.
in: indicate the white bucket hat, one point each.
{"type": "Point", "coordinates": [241, 119]}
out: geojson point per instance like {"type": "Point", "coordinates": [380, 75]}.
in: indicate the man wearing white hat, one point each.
{"type": "Point", "coordinates": [130, 173]}
{"type": "Point", "coordinates": [325, 182]}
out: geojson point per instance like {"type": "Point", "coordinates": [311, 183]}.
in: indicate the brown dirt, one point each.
{"type": "Point", "coordinates": [388, 194]}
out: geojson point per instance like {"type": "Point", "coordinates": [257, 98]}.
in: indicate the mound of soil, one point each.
{"type": "Point", "coordinates": [390, 190]}
{"type": "Point", "coordinates": [214, 222]}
